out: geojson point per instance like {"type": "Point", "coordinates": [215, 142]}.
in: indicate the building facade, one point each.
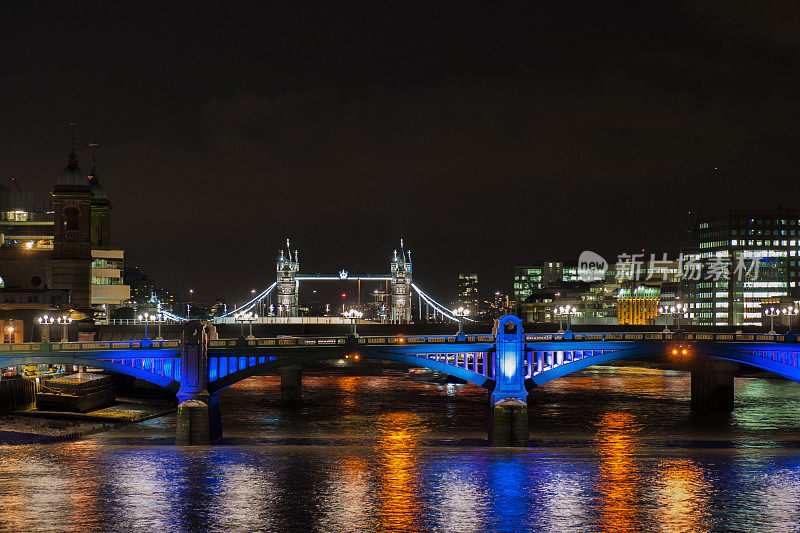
{"type": "Point", "coordinates": [743, 259]}
{"type": "Point", "coordinates": [468, 293]}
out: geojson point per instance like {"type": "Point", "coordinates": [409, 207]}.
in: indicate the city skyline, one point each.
{"type": "Point", "coordinates": [537, 137]}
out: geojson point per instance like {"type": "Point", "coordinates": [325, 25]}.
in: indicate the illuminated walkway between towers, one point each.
{"type": "Point", "coordinates": [507, 362]}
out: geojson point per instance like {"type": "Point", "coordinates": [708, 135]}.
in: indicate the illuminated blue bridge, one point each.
{"type": "Point", "coordinates": [507, 362]}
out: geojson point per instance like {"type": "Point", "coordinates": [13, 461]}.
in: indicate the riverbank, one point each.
{"type": "Point", "coordinates": [43, 427]}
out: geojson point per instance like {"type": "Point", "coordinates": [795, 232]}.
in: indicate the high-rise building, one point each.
{"type": "Point", "coordinates": [538, 275]}
{"type": "Point", "coordinates": [743, 259]}
{"type": "Point", "coordinates": [468, 293]}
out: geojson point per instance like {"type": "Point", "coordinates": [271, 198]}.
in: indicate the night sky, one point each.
{"type": "Point", "coordinates": [485, 135]}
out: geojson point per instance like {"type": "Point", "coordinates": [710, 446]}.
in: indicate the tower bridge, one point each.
{"type": "Point", "coordinates": [506, 361]}
{"type": "Point", "coordinates": [400, 290]}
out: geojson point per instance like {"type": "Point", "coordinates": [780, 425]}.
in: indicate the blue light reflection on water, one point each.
{"type": "Point", "coordinates": [378, 453]}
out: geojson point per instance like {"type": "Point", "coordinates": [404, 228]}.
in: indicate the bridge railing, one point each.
{"type": "Point", "coordinates": [639, 336]}
{"type": "Point", "coordinates": [388, 340]}
{"type": "Point", "coordinates": [334, 341]}
{"type": "Point", "coordinates": [84, 346]}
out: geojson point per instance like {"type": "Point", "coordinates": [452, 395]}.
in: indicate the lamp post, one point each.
{"type": "Point", "coordinates": [45, 322]}
{"type": "Point", "coordinates": [158, 319]}
{"type": "Point", "coordinates": [557, 312]}
{"type": "Point", "coordinates": [678, 312]}
{"type": "Point", "coordinates": [246, 317]}
{"type": "Point", "coordinates": [790, 312]}
{"type": "Point", "coordinates": [65, 321]}
{"type": "Point", "coordinates": [772, 313]}
{"type": "Point", "coordinates": [460, 314]}
{"type": "Point", "coordinates": [189, 303]}
{"type": "Point", "coordinates": [565, 310]}
{"type": "Point", "coordinates": [354, 315]}
{"type": "Point", "coordinates": [665, 311]}
{"type": "Point", "coordinates": [145, 318]}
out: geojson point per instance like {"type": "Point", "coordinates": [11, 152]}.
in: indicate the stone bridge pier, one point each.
{"type": "Point", "coordinates": [199, 420]}
{"type": "Point", "coordinates": [712, 383]}
{"type": "Point", "coordinates": [508, 425]}
{"type": "Point", "coordinates": [291, 385]}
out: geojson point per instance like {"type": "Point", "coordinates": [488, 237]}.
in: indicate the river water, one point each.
{"type": "Point", "coordinates": [612, 449]}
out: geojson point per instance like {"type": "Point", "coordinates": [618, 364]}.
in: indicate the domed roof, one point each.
{"type": "Point", "coordinates": [98, 191]}
{"type": "Point", "coordinates": [72, 175]}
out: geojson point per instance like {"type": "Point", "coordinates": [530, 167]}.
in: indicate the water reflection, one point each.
{"type": "Point", "coordinates": [350, 504]}
{"type": "Point", "coordinates": [348, 386]}
{"type": "Point", "coordinates": [398, 491]}
{"type": "Point", "coordinates": [381, 454]}
{"type": "Point", "coordinates": [620, 480]}
{"type": "Point", "coordinates": [683, 496]}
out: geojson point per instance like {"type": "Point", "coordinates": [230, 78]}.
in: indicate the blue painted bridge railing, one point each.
{"type": "Point", "coordinates": [508, 362]}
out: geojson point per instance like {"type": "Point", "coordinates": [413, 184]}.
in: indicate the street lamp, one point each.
{"type": "Point", "coordinates": [65, 321]}
{"type": "Point", "coordinates": [246, 317]}
{"type": "Point", "coordinates": [790, 312]}
{"type": "Point", "coordinates": [677, 311]}
{"type": "Point", "coordinates": [45, 322]}
{"type": "Point", "coordinates": [557, 313]}
{"type": "Point", "coordinates": [665, 311]}
{"type": "Point", "coordinates": [565, 310]}
{"type": "Point", "coordinates": [158, 319]}
{"type": "Point", "coordinates": [189, 303]}
{"type": "Point", "coordinates": [680, 310]}
{"type": "Point", "coordinates": [354, 315]}
{"type": "Point", "coordinates": [772, 313]}
{"type": "Point", "coordinates": [460, 314]}
{"type": "Point", "coordinates": [144, 318]}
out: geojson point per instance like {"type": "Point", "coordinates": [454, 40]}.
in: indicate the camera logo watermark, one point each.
{"type": "Point", "coordinates": [591, 266]}
{"type": "Point", "coordinates": [638, 267]}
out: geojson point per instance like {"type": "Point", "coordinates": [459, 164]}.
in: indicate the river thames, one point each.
{"type": "Point", "coordinates": [612, 449]}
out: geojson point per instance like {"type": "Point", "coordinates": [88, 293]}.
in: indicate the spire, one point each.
{"type": "Point", "coordinates": [73, 159]}
{"type": "Point", "coordinates": [72, 175]}
{"type": "Point", "coordinates": [93, 148]}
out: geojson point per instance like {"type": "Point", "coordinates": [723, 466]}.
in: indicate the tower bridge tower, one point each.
{"type": "Point", "coordinates": [288, 285]}
{"type": "Point", "coordinates": [401, 287]}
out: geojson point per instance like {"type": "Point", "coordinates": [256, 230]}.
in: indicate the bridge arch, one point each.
{"type": "Point", "coordinates": [783, 360]}
{"type": "Point", "coordinates": [250, 363]}
{"type": "Point", "coordinates": [105, 364]}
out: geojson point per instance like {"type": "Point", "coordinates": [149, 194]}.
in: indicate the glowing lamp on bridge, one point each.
{"type": "Point", "coordinates": [248, 317]}
{"type": "Point", "coordinates": [772, 313]}
{"type": "Point", "coordinates": [44, 322]}
{"type": "Point", "coordinates": [790, 313]}
{"type": "Point", "coordinates": [354, 315]}
{"type": "Point", "coordinates": [460, 315]}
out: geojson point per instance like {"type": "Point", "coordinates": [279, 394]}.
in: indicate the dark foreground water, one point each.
{"type": "Point", "coordinates": [612, 450]}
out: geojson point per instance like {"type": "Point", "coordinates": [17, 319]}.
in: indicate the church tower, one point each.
{"type": "Point", "coordinates": [101, 210]}
{"type": "Point", "coordinates": [72, 244]}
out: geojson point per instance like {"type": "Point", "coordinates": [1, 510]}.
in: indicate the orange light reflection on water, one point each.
{"type": "Point", "coordinates": [619, 476]}
{"type": "Point", "coordinates": [397, 495]}
{"type": "Point", "coordinates": [684, 494]}
{"type": "Point", "coordinates": [347, 384]}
